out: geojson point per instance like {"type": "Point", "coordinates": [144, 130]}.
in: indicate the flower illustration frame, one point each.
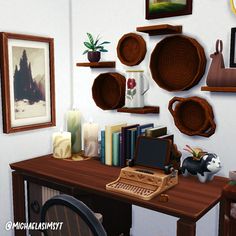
{"type": "Point", "coordinates": [27, 78]}
{"type": "Point", "coordinates": [154, 13]}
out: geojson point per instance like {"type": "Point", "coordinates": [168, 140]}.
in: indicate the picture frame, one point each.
{"type": "Point", "coordinates": [233, 48]}
{"type": "Point", "coordinates": [233, 6]}
{"type": "Point", "coordinates": [27, 82]}
{"type": "Point", "coordinates": [167, 8]}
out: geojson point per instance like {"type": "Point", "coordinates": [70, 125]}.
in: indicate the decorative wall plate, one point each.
{"type": "Point", "coordinates": [177, 63]}
{"type": "Point", "coordinates": [131, 49]}
{"type": "Point", "coordinates": [108, 91]}
{"type": "Point", "coordinates": [193, 116]}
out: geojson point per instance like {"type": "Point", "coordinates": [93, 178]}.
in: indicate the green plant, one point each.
{"type": "Point", "coordinates": [196, 152]}
{"type": "Point", "coordinates": [94, 45]}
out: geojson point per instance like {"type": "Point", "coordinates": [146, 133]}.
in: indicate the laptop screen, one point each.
{"type": "Point", "coordinates": [152, 152]}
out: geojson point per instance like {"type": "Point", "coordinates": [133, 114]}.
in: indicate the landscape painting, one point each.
{"type": "Point", "coordinates": [28, 82]}
{"type": "Point", "coordinates": [167, 8]}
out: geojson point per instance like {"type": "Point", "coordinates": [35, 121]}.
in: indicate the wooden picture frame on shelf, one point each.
{"type": "Point", "coordinates": [233, 48]}
{"type": "Point", "coordinates": [167, 8]}
{"type": "Point", "coordinates": [27, 77]}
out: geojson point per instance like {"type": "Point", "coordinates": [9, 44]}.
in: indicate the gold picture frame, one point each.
{"type": "Point", "coordinates": [233, 6]}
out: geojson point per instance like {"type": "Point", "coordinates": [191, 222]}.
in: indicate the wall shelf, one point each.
{"type": "Point", "coordinates": [160, 29]}
{"type": "Point", "coordinates": [101, 64]}
{"type": "Point", "coordinates": [144, 110]}
{"type": "Point", "coordinates": [219, 89]}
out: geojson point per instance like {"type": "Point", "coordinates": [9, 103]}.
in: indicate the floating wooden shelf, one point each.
{"type": "Point", "coordinates": [101, 64]}
{"type": "Point", "coordinates": [219, 89]}
{"type": "Point", "coordinates": [144, 110]}
{"type": "Point", "coordinates": [160, 29]}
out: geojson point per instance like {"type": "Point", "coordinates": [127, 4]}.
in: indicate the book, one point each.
{"type": "Point", "coordinates": [125, 152]}
{"type": "Point", "coordinates": [102, 152]}
{"type": "Point", "coordinates": [131, 142]}
{"type": "Point", "coordinates": [109, 129]}
{"type": "Point", "coordinates": [142, 128]}
{"type": "Point", "coordinates": [116, 148]}
{"type": "Point", "coordinates": [156, 131]}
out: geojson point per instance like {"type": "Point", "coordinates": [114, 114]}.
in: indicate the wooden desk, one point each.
{"type": "Point", "coordinates": [188, 201]}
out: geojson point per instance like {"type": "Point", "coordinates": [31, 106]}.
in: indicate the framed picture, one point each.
{"type": "Point", "coordinates": [233, 48]}
{"type": "Point", "coordinates": [167, 8]}
{"type": "Point", "coordinates": [27, 79]}
{"type": "Point", "coordinates": [233, 6]}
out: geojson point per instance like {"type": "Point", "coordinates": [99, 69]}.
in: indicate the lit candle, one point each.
{"type": "Point", "coordinates": [90, 136]}
{"type": "Point", "coordinates": [74, 126]}
{"type": "Point", "coordinates": [61, 144]}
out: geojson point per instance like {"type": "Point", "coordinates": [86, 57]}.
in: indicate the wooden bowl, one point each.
{"type": "Point", "coordinates": [108, 91]}
{"type": "Point", "coordinates": [177, 63]}
{"type": "Point", "coordinates": [193, 116]}
{"type": "Point", "coordinates": [131, 49]}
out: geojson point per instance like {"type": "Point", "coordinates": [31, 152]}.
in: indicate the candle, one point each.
{"type": "Point", "coordinates": [90, 137]}
{"type": "Point", "coordinates": [61, 144]}
{"type": "Point", "coordinates": [74, 126]}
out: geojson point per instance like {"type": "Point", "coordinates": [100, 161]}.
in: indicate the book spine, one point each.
{"type": "Point", "coordinates": [120, 154]}
{"type": "Point", "coordinates": [115, 148]}
{"type": "Point", "coordinates": [108, 146]}
{"type": "Point", "coordinates": [103, 147]}
{"type": "Point", "coordinates": [141, 129]}
{"type": "Point", "coordinates": [133, 140]}
{"type": "Point", "coordinates": [156, 132]}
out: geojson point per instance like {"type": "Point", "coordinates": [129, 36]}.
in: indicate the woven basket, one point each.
{"type": "Point", "coordinates": [108, 91]}
{"type": "Point", "coordinates": [193, 116]}
{"type": "Point", "coordinates": [131, 49]}
{"type": "Point", "coordinates": [177, 63]}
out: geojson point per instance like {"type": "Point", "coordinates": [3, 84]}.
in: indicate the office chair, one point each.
{"type": "Point", "coordinates": [77, 218]}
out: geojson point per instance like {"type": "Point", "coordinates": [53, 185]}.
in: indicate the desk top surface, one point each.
{"type": "Point", "coordinates": [190, 199]}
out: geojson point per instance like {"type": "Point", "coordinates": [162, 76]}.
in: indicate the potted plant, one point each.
{"type": "Point", "coordinates": [94, 48]}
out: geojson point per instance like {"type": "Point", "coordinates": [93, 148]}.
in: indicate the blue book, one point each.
{"type": "Point", "coordinates": [102, 159]}
{"type": "Point", "coordinates": [141, 129]}
{"type": "Point", "coordinates": [116, 148]}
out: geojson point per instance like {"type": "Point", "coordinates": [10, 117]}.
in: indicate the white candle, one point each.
{"type": "Point", "coordinates": [61, 144]}
{"type": "Point", "coordinates": [74, 126]}
{"type": "Point", "coordinates": [90, 136]}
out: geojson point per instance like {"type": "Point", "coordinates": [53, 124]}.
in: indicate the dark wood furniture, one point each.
{"type": "Point", "coordinates": [143, 110]}
{"type": "Point", "coordinates": [229, 197]}
{"type": "Point", "coordinates": [219, 89]}
{"type": "Point", "coordinates": [160, 29]}
{"type": "Point", "coordinates": [101, 64]}
{"type": "Point", "coordinates": [188, 201]}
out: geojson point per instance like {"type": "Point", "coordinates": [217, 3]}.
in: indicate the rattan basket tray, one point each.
{"type": "Point", "coordinates": [109, 91]}
{"type": "Point", "coordinates": [131, 49]}
{"type": "Point", "coordinates": [193, 116]}
{"type": "Point", "coordinates": [177, 63]}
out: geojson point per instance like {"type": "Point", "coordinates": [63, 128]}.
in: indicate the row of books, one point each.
{"type": "Point", "coordinates": [118, 142]}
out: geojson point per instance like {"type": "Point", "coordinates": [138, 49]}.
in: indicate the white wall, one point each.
{"type": "Point", "coordinates": [210, 20]}
{"type": "Point", "coordinates": [49, 19]}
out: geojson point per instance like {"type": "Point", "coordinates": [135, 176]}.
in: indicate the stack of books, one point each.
{"type": "Point", "coordinates": [118, 142]}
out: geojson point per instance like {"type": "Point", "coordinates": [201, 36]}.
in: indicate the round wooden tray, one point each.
{"type": "Point", "coordinates": [193, 116]}
{"type": "Point", "coordinates": [131, 49]}
{"type": "Point", "coordinates": [177, 63]}
{"type": "Point", "coordinates": [108, 91]}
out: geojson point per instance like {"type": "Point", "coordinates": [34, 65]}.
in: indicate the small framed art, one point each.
{"type": "Point", "coordinates": [27, 78]}
{"type": "Point", "coordinates": [167, 8]}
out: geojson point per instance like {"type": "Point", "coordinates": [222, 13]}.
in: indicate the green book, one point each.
{"type": "Point", "coordinates": [116, 148]}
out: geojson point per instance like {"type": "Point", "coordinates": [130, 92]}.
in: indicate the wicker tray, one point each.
{"type": "Point", "coordinates": [108, 91]}
{"type": "Point", "coordinates": [193, 116]}
{"type": "Point", "coordinates": [177, 63]}
{"type": "Point", "coordinates": [131, 49]}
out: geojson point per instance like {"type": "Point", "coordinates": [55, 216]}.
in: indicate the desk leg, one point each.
{"type": "Point", "coordinates": [186, 228]}
{"type": "Point", "coordinates": [18, 201]}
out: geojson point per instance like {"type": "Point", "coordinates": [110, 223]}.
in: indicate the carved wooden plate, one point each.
{"type": "Point", "coordinates": [131, 49]}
